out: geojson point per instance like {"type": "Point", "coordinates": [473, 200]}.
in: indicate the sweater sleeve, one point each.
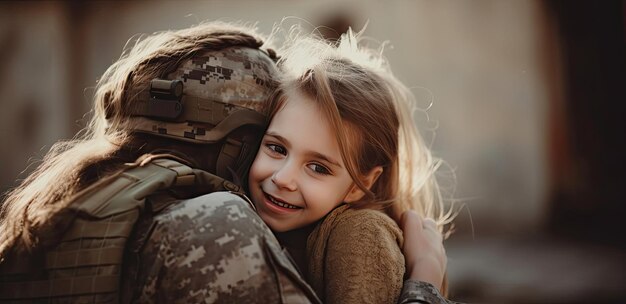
{"type": "Point", "coordinates": [364, 261]}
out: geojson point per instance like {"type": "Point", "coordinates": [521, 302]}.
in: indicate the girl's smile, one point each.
{"type": "Point", "coordinates": [278, 205]}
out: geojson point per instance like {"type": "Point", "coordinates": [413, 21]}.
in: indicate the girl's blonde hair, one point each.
{"type": "Point", "coordinates": [94, 152]}
{"type": "Point", "coordinates": [371, 111]}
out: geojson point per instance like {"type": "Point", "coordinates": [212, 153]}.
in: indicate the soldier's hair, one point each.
{"type": "Point", "coordinates": [65, 168]}
{"type": "Point", "coordinates": [371, 113]}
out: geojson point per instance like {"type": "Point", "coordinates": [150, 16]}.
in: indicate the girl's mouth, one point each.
{"type": "Point", "coordinates": [277, 203]}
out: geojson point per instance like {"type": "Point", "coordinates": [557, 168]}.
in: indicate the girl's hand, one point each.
{"type": "Point", "coordinates": [423, 250]}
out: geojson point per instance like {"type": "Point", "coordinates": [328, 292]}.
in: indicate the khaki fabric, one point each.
{"type": "Point", "coordinates": [355, 257]}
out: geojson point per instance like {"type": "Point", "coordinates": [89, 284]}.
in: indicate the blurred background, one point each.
{"type": "Point", "coordinates": [525, 103]}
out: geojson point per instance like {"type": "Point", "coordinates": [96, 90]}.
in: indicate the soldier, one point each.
{"type": "Point", "coordinates": [148, 205]}
{"type": "Point", "coordinates": [189, 102]}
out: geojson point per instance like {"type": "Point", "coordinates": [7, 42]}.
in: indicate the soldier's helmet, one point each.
{"type": "Point", "coordinates": [206, 98]}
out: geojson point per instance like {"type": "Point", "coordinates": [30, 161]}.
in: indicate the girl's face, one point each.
{"type": "Point", "coordinates": [298, 175]}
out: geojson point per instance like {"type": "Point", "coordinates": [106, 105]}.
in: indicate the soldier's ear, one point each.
{"type": "Point", "coordinates": [368, 180]}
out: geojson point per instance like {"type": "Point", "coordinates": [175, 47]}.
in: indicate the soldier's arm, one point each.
{"type": "Point", "coordinates": [215, 248]}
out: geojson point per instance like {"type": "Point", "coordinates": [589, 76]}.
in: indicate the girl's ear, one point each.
{"type": "Point", "coordinates": [368, 180]}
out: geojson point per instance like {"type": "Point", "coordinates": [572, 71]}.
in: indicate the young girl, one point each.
{"type": "Point", "coordinates": [341, 143]}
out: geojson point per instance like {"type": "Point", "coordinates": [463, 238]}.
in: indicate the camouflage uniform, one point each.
{"type": "Point", "coordinates": [421, 292]}
{"type": "Point", "coordinates": [212, 249]}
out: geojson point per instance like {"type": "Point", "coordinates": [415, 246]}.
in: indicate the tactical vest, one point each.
{"type": "Point", "coordinates": [85, 266]}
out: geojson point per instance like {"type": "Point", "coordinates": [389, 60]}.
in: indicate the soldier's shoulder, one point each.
{"type": "Point", "coordinates": [209, 216]}
{"type": "Point", "coordinates": [208, 204]}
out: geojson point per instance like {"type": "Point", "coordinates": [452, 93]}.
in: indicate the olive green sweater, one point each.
{"type": "Point", "coordinates": [355, 257]}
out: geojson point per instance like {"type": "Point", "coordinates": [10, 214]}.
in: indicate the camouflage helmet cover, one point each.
{"type": "Point", "coordinates": [221, 90]}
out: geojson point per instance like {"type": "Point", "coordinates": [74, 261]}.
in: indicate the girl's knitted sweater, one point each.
{"type": "Point", "coordinates": [355, 256]}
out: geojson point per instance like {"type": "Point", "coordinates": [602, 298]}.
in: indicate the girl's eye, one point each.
{"type": "Point", "coordinates": [276, 149]}
{"type": "Point", "coordinates": [319, 169]}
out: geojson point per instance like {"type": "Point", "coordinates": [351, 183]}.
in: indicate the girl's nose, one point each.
{"type": "Point", "coordinates": [285, 177]}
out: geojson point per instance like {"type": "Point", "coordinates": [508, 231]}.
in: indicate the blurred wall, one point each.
{"type": "Point", "coordinates": [33, 84]}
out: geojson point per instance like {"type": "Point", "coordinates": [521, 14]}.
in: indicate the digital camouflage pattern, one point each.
{"type": "Point", "coordinates": [187, 131]}
{"type": "Point", "coordinates": [216, 85]}
{"type": "Point", "coordinates": [215, 249]}
{"type": "Point", "coordinates": [236, 76]}
{"type": "Point", "coordinates": [421, 292]}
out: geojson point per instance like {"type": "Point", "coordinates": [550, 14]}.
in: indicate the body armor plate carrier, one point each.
{"type": "Point", "coordinates": [86, 265]}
